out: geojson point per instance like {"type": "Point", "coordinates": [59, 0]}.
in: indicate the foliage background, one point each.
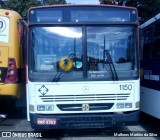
{"type": "Point", "coordinates": [146, 8]}
{"type": "Point", "coordinates": [21, 6]}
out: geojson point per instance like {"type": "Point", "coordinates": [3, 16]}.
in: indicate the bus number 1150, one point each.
{"type": "Point", "coordinates": [125, 87]}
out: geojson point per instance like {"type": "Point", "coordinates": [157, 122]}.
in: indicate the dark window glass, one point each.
{"type": "Point", "coordinates": [147, 50]}
{"type": "Point", "coordinates": [156, 49]}
{"type": "Point", "coordinates": [148, 34]}
{"type": "Point", "coordinates": [82, 14]}
{"type": "Point", "coordinates": [157, 29]}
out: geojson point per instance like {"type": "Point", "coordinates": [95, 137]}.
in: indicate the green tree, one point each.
{"type": "Point", "coordinates": [146, 8]}
{"type": "Point", "coordinates": [106, 1]}
{"type": "Point", "coordinates": [1, 3]}
{"type": "Point", "coordinates": [49, 2]}
{"type": "Point", "coordinates": [119, 2]}
{"type": "Point", "coordinates": [21, 6]}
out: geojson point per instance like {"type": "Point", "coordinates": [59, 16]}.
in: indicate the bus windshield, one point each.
{"type": "Point", "coordinates": [76, 53]}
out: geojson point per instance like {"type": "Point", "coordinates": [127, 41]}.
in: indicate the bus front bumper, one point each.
{"type": "Point", "coordinates": [81, 121]}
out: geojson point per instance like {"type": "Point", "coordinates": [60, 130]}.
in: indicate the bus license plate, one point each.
{"type": "Point", "coordinates": [46, 121]}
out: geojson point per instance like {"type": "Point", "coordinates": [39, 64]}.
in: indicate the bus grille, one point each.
{"type": "Point", "coordinates": [86, 97]}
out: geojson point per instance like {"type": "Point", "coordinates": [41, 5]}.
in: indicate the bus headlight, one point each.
{"type": "Point", "coordinates": [120, 105]}
{"type": "Point", "coordinates": [45, 107]}
{"type": "Point", "coordinates": [128, 105]}
{"type": "Point", "coordinates": [40, 107]}
{"type": "Point", "coordinates": [138, 104]}
{"type": "Point", "coordinates": [124, 105]}
{"type": "Point", "coordinates": [49, 107]}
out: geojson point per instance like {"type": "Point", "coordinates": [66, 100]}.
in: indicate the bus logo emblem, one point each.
{"type": "Point", "coordinates": [43, 90]}
{"type": "Point", "coordinates": [85, 107]}
{"type": "Point", "coordinates": [85, 89]}
{"type": "Point", "coordinates": [2, 25]}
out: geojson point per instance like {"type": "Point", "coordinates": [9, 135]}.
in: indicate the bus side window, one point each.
{"type": "Point", "coordinates": [147, 50]}
{"type": "Point", "coordinates": [157, 29]}
{"type": "Point", "coordinates": [156, 45]}
{"type": "Point", "coordinates": [147, 43]}
{"type": "Point", "coordinates": [156, 49]}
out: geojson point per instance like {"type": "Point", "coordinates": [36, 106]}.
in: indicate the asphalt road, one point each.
{"type": "Point", "coordinates": [16, 121]}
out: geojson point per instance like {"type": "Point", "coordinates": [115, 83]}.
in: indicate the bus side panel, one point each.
{"type": "Point", "coordinates": [150, 101]}
{"type": "Point", "coordinates": [9, 48]}
{"type": "Point", "coordinates": [150, 87]}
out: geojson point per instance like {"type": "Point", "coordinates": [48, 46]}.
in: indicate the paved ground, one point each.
{"type": "Point", "coordinates": [16, 121]}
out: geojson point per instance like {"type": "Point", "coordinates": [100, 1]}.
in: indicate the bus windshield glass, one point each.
{"type": "Point", "coordinates": [79, 53]}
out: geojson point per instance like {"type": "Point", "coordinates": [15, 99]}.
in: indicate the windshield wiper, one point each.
{"type": "Point", "coordinates": [108, 60]}
{"type": "Point", "coordinates": [58, 74]}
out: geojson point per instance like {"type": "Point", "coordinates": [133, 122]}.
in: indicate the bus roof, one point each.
{"type": "Point", "coordinates": [150, 21]}
{"type": "Point", "coordinates": [82, 13]}
{"type": "Point", "coordinates": [6, 12]}
{"type": "Point", "coordinates": [76, 5]}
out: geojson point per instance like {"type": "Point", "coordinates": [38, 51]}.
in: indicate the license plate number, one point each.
{"type": "Point", "coordinates": [46, 121]}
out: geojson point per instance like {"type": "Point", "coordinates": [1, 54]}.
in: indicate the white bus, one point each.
{"type": "Point", "coordinates": [150, 81]}
{"type": "Point", "coordinates": [82, 66]}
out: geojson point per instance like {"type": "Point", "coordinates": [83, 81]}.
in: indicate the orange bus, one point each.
{"type": "Point", "coordinates": [10, 56]}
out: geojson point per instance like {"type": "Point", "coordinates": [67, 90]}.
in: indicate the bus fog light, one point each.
{"type": "Point", "coordinates": [49, 107]}
{"type": "Point", "coordinates": [138, 104]}
{"type": "Point", "coordinates": [120, 105]}
{"type": "Point", "coordinates": [41, 107]}
{"type": "Point", "coordinates": [128, 105]}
